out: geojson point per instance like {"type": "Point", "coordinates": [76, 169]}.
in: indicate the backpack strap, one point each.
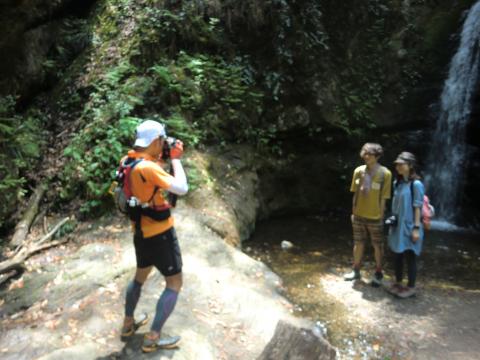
{"type": "Point", "coordinates": [131, 163]}
{"type": "Point", "coordinates": [155, 189]}
{"type": "Point", "coordinates": [412, 194]}
{"type": "Point", "coordinates": [412, 190]}
{"type": "Point", "coordinates": [134, 162]}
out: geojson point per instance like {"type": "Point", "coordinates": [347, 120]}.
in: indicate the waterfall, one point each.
{"type": "Point", "coordinates": [448, 153]}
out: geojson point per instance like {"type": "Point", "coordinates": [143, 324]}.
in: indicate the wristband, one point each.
{"type": "Point", "coordinates": [416, 227]}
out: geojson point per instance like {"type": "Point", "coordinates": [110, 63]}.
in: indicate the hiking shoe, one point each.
{"type": "Point", "coordinates": [169, 342]}
{"type": "Point", "coordinates": [394, 288]}
{"type": "Point", "coordinates": [353, 275]}
{"type": "Point", "coordinates": [406, 292]}
{"type": "Point", "coordinates": [130, 330]}
{"type": "Point", "coordinates": [377, 279]}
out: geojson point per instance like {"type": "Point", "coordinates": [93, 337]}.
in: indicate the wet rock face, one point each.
{"type": "Point", "coordinates": [23, 66]}
{"type": "Point", "coordinates": [315, 181]}
{"type": "Point", "coordinates": [295, 343]}
{"type": "Point", "coordinates": [29, 29]}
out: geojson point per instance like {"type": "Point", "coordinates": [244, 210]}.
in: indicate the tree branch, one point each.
{"type": "Point", "coordinates": [24, 252]}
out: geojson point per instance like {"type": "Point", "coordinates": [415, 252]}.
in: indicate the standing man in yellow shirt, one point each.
{"type": "Point", "coordinates": [371, 187]}
{"type": "Point", "coordinates": [155, 239]}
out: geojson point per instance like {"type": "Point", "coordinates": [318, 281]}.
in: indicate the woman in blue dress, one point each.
{"type": "Point", "coordinates": [405, 237]}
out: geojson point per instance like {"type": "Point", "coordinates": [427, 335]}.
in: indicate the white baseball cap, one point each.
{"type": "Point", "coordinates": [148, 131]}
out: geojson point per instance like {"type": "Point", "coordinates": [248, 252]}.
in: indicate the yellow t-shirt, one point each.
{"type": "Point", "coordinates": [144, 177]}
{"type": "Point", "coordinates": [368, 206]}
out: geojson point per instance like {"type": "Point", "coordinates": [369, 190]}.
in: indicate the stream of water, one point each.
{"type": "Point", "coordinates": [323, 248]}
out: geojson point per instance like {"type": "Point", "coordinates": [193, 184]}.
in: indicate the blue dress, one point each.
{"type": "Point", "coordinates": [400, 236]}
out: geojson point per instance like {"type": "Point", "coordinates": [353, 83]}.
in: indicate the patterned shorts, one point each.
{"type": "Point", "coordinates": [364, 228]}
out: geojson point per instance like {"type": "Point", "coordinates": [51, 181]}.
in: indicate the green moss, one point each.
{"type": "Point", "coordinates": [438, 27]}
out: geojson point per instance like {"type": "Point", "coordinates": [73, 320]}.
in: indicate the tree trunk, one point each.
{"type": "Point", "coordinates": [22, 228]}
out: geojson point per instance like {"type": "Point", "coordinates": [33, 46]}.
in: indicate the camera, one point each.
{"type": "Point", "coordinates": [168, 144]}
{"type": "Point", "coordinates": [391, 220]}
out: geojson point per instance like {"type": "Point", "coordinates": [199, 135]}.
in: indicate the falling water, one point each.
{"type": "Point", "coordinates": [448, 154]}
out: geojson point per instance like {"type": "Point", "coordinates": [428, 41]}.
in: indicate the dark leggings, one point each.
{"type": "Point", "coordinates": [411, 265]}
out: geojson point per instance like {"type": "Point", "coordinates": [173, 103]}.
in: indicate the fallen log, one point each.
{"type": "Point", "coordinates": [16, 262]}
{"type": "Point", "coordinates": [23, 226]}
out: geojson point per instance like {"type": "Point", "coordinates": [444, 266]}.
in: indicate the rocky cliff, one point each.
{"type": "Point", "coordinates": [305, 83]}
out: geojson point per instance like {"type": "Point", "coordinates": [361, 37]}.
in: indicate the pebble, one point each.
{"type": "Point", "coordinates": [320, 329]}
{"type": "Point", "coordinates": [286, 245]}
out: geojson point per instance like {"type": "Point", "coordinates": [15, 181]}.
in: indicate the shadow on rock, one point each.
{"type": "Point", "coordinates": [370, 293]}
{"type": "Point", "coordinates": [133, 350]}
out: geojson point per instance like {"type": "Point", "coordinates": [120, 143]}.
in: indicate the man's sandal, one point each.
{"type": "Point", "coordinates": [169, 342]}
{"type": "Point", "coordinates": [130, 330]}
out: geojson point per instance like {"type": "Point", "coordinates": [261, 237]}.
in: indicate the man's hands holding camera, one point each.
{"type": "Point", "coordinates": [172, 149]}
{"type": "Point", "coordinates": [176, 150]}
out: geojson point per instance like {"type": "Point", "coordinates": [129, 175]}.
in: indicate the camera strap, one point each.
{"type": "Point", "coordinates": [172, 198]}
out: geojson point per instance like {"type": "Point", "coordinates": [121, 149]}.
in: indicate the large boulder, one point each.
{"type": "Point", "coordinates": [295, 343]}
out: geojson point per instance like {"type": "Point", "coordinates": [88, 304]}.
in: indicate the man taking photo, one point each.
{"type": "Point", "coordinates": [155, 240]}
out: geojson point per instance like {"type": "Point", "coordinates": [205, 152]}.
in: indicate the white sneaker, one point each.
{"type": "Point", "coordinates": [353, 275]}
{"type": "Point", "coordinates": [406, 292]}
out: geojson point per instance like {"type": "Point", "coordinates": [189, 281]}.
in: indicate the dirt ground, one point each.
{"type": "Point", "coordinates": [435, 324]}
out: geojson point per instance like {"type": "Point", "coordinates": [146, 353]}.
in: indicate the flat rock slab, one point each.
{"type": "Point", "coordinates": [228, 308]}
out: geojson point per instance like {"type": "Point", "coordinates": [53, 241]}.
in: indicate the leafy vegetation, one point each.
{"type": "Point", "coordinates": [201, 98]}
{"type": "Point", "coordinates": [19, 145]}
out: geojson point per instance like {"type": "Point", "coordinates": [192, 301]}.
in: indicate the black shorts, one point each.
{"type": "Point", "coordinates": [161, 251]}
